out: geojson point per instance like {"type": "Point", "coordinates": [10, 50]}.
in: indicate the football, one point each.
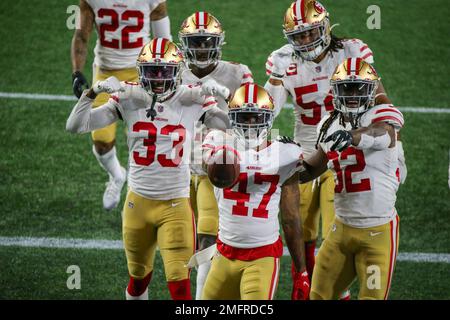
{"type": "Point", "coordinates": [223, 168]}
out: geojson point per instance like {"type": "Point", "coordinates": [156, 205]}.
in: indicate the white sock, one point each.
{"type": "Point", "coordinates": [110, 163]}
{"type": "Point", "coordinates": [202, 273]}
{"type": "Point", "coordinates": [143, 296]}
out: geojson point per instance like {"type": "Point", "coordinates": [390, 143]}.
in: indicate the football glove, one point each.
{"type": "Point", "coordinates": [212, 88]}
{"type": "Point", "coordinates": [79, 83]}
{"type": "Point", "coordinates": [110, 85]}
{"type": "Point", "coordinates": [301, 286]}
{"type": "Point", "coordinates": [281, 60]}
{"type": "Point", "coordinates": [342, 139]}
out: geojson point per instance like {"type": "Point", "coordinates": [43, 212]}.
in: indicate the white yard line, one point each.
{"type": "Point", "coordinates": [62, 243]}
{"type": "Point", "coordinates": [60, 97]}
{"type": "Point", "coordinates": [37, 96]}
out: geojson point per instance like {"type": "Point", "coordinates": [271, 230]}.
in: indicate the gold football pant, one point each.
{"type": "Point", "coordinates": [108, 133]}
{"type": "Point", "coordinates": [317, 197]}
{"type": "Point", "coordinates": [204, 204]}
{"type": "Point", "coordinates": [168, 224]}
{"type": "Point", "coordinates": [242, 280]}
{"type": "Point", "coordinates": [366, 253]}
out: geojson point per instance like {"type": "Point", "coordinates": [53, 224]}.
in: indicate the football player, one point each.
{"type": "Point", "coordinates": [160, 115]}
{"type": "Point", "coordinates": [201, 37]}
{"type": "Point", "coordinates": [302, 69]}
{"type": "Point", "coordinates": [246, 264]}
{"type": "Point", "coordinates": [123, 28]}
{"type": "Point", "coordinates": [359, 140]}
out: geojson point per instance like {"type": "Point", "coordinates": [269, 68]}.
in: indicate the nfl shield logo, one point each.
{"type": "Point", "coordinates": [160, 108]}
{"type": "Point", "coordinates": [318, 68]}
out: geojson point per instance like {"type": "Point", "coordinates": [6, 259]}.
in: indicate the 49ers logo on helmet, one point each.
{"type": "Point", "coordinates": [318, 7]}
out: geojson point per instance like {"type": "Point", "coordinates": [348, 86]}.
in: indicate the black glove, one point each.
{"type": "Point", "coordinates": [79, 83]}
{"type": "Point", "coordinates": [342, 139]}
{"type": "Point", "coordinates": [286, 139]}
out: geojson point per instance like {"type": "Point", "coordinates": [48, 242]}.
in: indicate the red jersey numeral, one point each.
{"type": "Point", "coordinates": [139, 16]}
{"type": "Point", "coordinates": [344, 176]}
{"type": "Point", "coordinates": [177, 145]}
{"type": "Point", "coordinates": [314, 106]}
{"type": "Point", "coordinates": [150, 143]}
{"type": "Point", "coordinates": [241, 196]}
{"type": "Point", "coordinates": [113, 25]}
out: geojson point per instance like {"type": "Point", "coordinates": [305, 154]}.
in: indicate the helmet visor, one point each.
{"type": "Point", "coordinates": [158, 78]}
{"type": "Point", "coordinates": [202, 49]}
{"type": "Point", "coordinates": [354, 95]}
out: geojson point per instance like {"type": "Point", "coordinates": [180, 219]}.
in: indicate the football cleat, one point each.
{"type": "Point", "coordinates": [346, 295]}
{"type": "Point", "coordinates": [111, 197]}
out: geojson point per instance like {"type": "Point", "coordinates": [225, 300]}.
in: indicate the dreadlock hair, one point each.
{"type": "Point", "coordinates": [335, 43]}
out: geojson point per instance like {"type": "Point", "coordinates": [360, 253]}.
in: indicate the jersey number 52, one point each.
{"type": "Point", "coordinates": [344, 176]}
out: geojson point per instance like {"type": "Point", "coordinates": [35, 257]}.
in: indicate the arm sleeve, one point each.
{"type": "Point", "coordinates": [389, 114]}
{"type": "Point", "coordinates": [161, 28]}
{"type": "Point", "coordinates": [357, 48]}
{"type": "Point", "coordinates": [84, 119]}
{"type": "Point", "coordinates": [247, 76]}
{"type": "Point", "coordinates": [279, 95]}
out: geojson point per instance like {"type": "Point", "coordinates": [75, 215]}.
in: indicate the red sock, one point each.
{"type": "Point", "coordinates": [310, 247]}
{"type": "Point", "coordinates": [180, 290]}
{"type": "Point", "coordinates": [137, 287]}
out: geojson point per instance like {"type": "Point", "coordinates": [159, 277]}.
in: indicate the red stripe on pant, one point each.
{"type": "Point", "coordinates": [273, 282]}
{"type": "Point", "coordinates": [393, 254]}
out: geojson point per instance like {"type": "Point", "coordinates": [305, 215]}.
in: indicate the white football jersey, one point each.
{"type": "Point", "coordinates": [228, 74]}
{"type": "Point", "coordinates": [123, 28]}
{"type": "Point", "coordinates": [248, 211]}
{"type": "Point", "coordinates": [159, 150]}
{"type": "Point", "coordinates": [308, 83]}
{"type": "Point", "coordinates": [366, 180]}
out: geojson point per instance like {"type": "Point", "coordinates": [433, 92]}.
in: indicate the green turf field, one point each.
{"type": "Point", "coordinates": [51, 185]}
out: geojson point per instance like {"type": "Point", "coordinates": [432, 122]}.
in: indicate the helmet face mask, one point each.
{"type": "Point", "coordinates": [251, 124]}
{"type": "Point", "coordinates": [201, 36]}
{"type": "Point", "coordinates": [321, 38]}
{"type": "Point", "coordinates": [158, 79]}
{"type": "Point", "coordinates": [202, 50]}
{"type": "Point", "coordinates": [353, 97]}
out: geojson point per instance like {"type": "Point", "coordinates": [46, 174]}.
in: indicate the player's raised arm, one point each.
{"type": "Point", "coordinates": [313, 166]}
{"type": "Point", "coordinates": [160, 22]}
{"type": "Point", "coordinates": [79, 48]}
{"type": "Point", "coordinates": [84, 118]}
{"type": "Point", "coordinates": [276, 66]}
{"type": "Point", "coordinates": [291, 223]}
{"type": "Point", "coordinates": [215, 118]}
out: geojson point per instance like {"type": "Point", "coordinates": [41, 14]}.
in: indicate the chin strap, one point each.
{"type": "Point", "coordinates": [151, 112]}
